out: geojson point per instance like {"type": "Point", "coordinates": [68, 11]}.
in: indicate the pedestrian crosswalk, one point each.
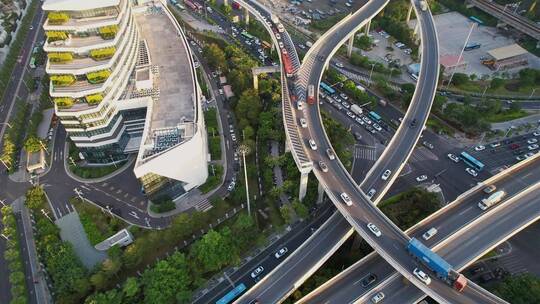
{"type": "Point", "coordinates": [203, 205]}
{"type": "Point", "coordinates": [512, 264]}
{"type": "Point", "coordinates": [365, 152]}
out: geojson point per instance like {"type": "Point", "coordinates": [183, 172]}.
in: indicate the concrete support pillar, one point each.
{"type": "Point", "coordinates": [255, 81]}
{"type": "Point", "coordinates": [409, 13]}
{"type": "Point", "coordinates": [367, 26]}
{"type": "Point", "coordinates": [246, 16]}
{"type": "Point", "coordinates": [287, 148]}
{"type": "Point", "coordinates": [320, 193]}
{"type": "Point", "coordinates": [416, 29]}
{"type": "Point", "coordinates": [225, 2]}
{"type": "Point", "coordinates": [350, 46]}
{"type": "Point", "coordinates": [303, 185]}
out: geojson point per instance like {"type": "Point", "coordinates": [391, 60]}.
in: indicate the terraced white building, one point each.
{"type": "Point", "coordinates": [123, 82]}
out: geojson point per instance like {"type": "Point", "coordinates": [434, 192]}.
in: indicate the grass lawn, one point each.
{"type": "Point", "coordinates": [95, 172]}
{"type": "Point", "coordinates": [97, 224]}
{"type": "Point", "coordinates": [506, 116]}
{"type": "Point", "coordinates": [213, 180]}
{"type": "Point", "coordinates": [439, 127]}
{"type": "Point", "coordinates": [325, 24]}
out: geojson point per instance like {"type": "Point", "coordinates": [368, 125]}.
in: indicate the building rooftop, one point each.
{"type": "Point", "coordinates": [72, 5]}
{"type": "Point", "coordinates": [507, 52]}
{"type": "Point", "coordinates": [175, 104]}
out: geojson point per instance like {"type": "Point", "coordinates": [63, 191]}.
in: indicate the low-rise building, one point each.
{"type": "Point", "coordinates": [506, 57]}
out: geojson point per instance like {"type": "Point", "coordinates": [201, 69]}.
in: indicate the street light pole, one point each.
{"type": "Point", "coordinates": [245, 150]}
{"type": "Point", "coordinates": [371, 73]}
{"type": "Point", "coordinates": [5, 123]}
{"type": "Point", "coordinates": [461, 54]}
{"type": "Point", "coordinates": [532, 93]}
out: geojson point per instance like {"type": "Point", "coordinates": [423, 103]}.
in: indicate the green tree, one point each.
{"type": "Point", "coordinates": [226, 9]}
{"type": "Point", "coordinates": [300, 209]}
{"type": "Point", "coordinates": [496, 83]}
{"type": "Point", "coordinates": [523, 289]}
{"type": "Point", "coordinates": [460, 79]}
{"type": "Point", "coordinates": [32, 144]}
{"type": "Point", "coordinates": [287, 213]}
{"type": "Point", "coordinates": [131, 287]}
{"type": "Point", "coordinates": [168, 282]}
{"type": "Point", "coordinates": [214, 251]}
{"type": "Point", "coordinates": [215, 57]}
{"type": "Point", "coordinates": [34, 198]}
{"type": "Point", "coordinates": [249, 106]}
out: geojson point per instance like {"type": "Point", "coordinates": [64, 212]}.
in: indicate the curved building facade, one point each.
{"type": "Point", "coordinates": [123, 82]}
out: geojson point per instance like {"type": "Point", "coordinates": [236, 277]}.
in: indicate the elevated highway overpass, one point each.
{"type": "Point", "coordinates": [451, 221]}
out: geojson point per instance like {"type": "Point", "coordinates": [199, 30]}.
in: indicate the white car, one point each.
{"type": "Point", "coordinates": [495, 144]}
{"type": "Point", "coordinates": [422, 276]}
{"type": "Point", "coordinates": [536, 133]}
{"type": "Point", "coordinates": [479, 148]}
{"type": "Point", "coordinates": [532, 141]}
{"type": "Point", "coordinates": [312, 144]}
{"type": "Point", "coordinates": [339, 65]}
{"type": "Point", "coordinates": [330, 154]}
{"type": "Point", "coordinates": [303, 123]}
{"type": "Point", "coordinates": [421, 178]}
{"type": "Point", "coordinates": [281, 45]}
{"type": "Point", "coordinates": [533, 147]}
{"type": "Point", "coordinates": [278, 37]}
{"type": "Point", "coordinates": [471, 172]}
{"type": "Point", "coordinates": [220, 92]}
{"type": "Point", "coordinates": [233, 137]}
{"type": "Point", "coordinates": [371, 193]}
{"type": "Point", "coordinates": [281, 252]}
{"type": "Point", "coordinates": [453, 157]}
{"type": "Point", "coordinates": [231, 186]}
{"type": "Point", "coordinates": [377, 127]}
{"type": "Point", "coordinates": [386, 174]}
{"type": "Point", "coordinates": [300, 105]}
{"type": "Point", "coordinates": [255, 273]}
{"type": "Point", "coordinates": [430, 233]}
{"type": "Point", "coordinates": [374, 229]}
{"type": "Point", "coordinates": [378, 297]}
{"type": "Point", "coordinates": [345, 197]}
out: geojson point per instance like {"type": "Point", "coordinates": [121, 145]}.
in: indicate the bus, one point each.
{"type": "Point", "coordinates": [231, 295]}
{"type": "Point", "coordinates": [247, 35]}
{"type": "Point", "coordinates": [376, 117]}
{"type": "Point", "coordinates": [471, 161]}
{"type": "Point", "coordinates": [311, 94]}
{"type": "Point", "coordinates": [472, 46]}
{"type": "Point", "coordinates": [328, 89]}
{"type": "Point", "coordinates": [477, 20]}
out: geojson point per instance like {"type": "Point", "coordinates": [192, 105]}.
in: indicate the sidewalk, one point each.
{"type": "Point", "coordinates": [40, 288]}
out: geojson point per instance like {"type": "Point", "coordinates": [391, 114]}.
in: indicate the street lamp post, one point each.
{"type": "Point", "coordinates": [244, 149]}
{"type": "Point", "coordinates": [532, 93]}
{"type": "Point", "coordinates": [371, 73]}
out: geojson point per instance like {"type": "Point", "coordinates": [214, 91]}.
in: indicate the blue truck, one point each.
{"type": "Point", "coordinates": [436, 264]}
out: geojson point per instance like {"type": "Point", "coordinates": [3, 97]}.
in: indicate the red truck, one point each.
{"type": "Point", "coordinates": [236, 5]}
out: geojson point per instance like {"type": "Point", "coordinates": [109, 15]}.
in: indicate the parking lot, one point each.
{"type": "Point", "coordinates": [452, 30]}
